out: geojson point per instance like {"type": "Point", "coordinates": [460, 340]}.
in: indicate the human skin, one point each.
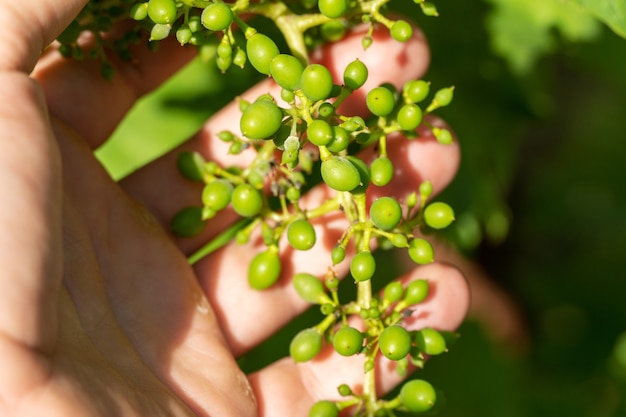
{"type": "Point", "coordinates": [100, 312]}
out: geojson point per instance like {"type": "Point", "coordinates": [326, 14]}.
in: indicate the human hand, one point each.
{"type": "Point", "coordinates": [100, 312]}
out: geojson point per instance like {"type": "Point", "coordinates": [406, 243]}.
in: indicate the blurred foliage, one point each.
{"type": "Point", "coordinates": [539, 196]}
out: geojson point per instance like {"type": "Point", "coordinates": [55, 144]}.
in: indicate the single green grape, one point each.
{"type": "Point", "coordinates": [393, 291]}
{"type": "Point", "coordinates": [216, 194]}
{"type": "Point", "coordinates": [340, 174]}
{"type": "Point", "coordinates": [364, 174]}
{"type": "Point", "coordinates": [385, 213]}
{"type": "Point", "coordinates": [401, 31]}
{"type": "Point", "coordinates": [319, 132]}
{"type": "Point", "coordinates": [355, 74]}
{"type": "Point", "coordinates": [338, 254]}
{"type": "Point", "coordinates": [217, 16]}
{"type": "Point", "coordinates": [421, 251]}
{"type": "Point", "coordinates": [334, 30]}
{"type": "Point", "coordinates": [340, 141]}
{"type": "Point", "coordinates": [160, 31]}
{"type": "Point", "coordinates": [316, 82]}
{"type": "Point", "coordinates": [188, 222]}
{"type": "Point", "coordinates": [395, 342]}
{"type": "Point", "coordinates": [332, 8]}
{"type": "Point", "coordinates": [415, 91]}
{"type": "Point", "coordinates": [418, 395]}
{"type": "Point", "coordinates": [139, 11]}
{"type": "Point", "coordinates": [286, 71]}
{"type": "Point", "coordinates": [162, 11]}
{"type": "Point", "coordinates": [438, 215]}
{"type": "Point", "coordinates": [261, 49]}
{"type": "Point", "coordinates": [347, 341]}
{"type": "Point", "coordinates": [309, 288]}
{"type": "Point", "coordinates": [261, 119]}
{"type": "Point", "coordinates": [247, 201]}
{"type": "Point", "coordinates": [324, 408]}
{"type": "Point", "coordinates": [190, 165]}
{"type": "Point", "coordinates": [183, 34]}
{"type": "Point", "coordinates": [362, 266]}
{"type": "Point", "coordinates": [305, 345]}
{"type": "Point", "coordinates": [264, 270]}
{"type": "Point", "coordinates": [443, 97]}
{"type": "Point", "coordinates": [301, 234]}
{"type": "Point", "coordinates": [380, 101]}
{"type": "Point", "coordinates": [381, 171]}
{"type": "Point", "coordinates": [409, 116]}
{"type": "Point", "coordinates": [416, 292]}
{"type": "Point", "coordinates": [430, 341]}
{"type": "Point", "coordinates": [443, 136]}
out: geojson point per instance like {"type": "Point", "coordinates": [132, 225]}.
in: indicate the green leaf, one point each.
{"type": "Point", "coordinates": [611, 12]}
{"type": "Point", "coordinates": [523, 30]}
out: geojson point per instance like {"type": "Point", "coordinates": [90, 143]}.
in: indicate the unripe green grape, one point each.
{"type": "Point", "coordinates": [409, 116]}
{"type": "Point", "coordinates": [426, 190]}
{"type": "Point", "coordinates": [305, 345]}
{"type": "Point", "coordinates": [401, 31]}
{"type": "Point", "coordinates": [188, 222]}
{"type": "Point", "coordinates": [223, 63]}
{"type": "Point", "coordinates": [393, 291]}
{"type": "Point", "coordinates": [438, 215]}
{"type": "Point", "coordinates": [264, 270]}
{"type": "Point", "coordinates": [366, 42]}
{"type": "Point", "coordinates": [443, 136]}
{"type": "Point", "coordinates": [421, 251]}
{"type": "Point", "coordinates": [162, 11]}
{"type": "Point", "coordinates": [395, 342]}
{"type": "Point", "coordinates": [418, 395]}
{"type": "Point", "coordinates": [340, 174]}
{"type": "Point", "coordinates": [355, 74]}
{"type": "Point", "coordinates": [217, 16]}
{"type": "Point", "coordinates": [353, 124]}
{"type": "Point", "coordinates": [261, 49]}
{"type": "Point", "coordinates": [333, 31]}
{"type": "Point", "coordinates": [246, 200]}
{"type": "Point", "coordinates": [190, 165]}
{"type": "Point", "coordinates": [292, 194]}
{"type": "Point", "coordinates": [416, 292]}
{"type": "Point", "coordinates": [309, 288]}
{"type": "Point", "coordinates": [415, 91]}
{"type": "Point", "coordinates": [319, 132]}
{"type": "Point", "coordinates": [316, 82]}
{"type": "Point", "coordinates": [217, 194]}
{"type": "Point", "coordinates": [183, 34]}
{"type": "Point", "coordinates": [347, 341]}
{"type": "Point", "coordinates": [362, 266]}
{"type": "Point", "coordinates": [240, 57]}
{"type": "Point", "coordinates": [324, 408]}
{"type": "Point", "coordinates": [139, 11]}
{"type": "Point", "coordinates": [326, 109]}
{"type": "Point", "coordinates": [399, 240]}
{"type": "Point", "coordinates": [340, 141]}
{"type": "Point", "coordinates": [159, 32]}
{"type": "Point", "coordinates": [286, 71]}
{"type": "Point", "coordinates": [442, 98]}
{"type": "Point", "coordinates": [430, 341]}
{"type": "Point", "coordinates": [224, 49]}
{"type": "Point", "coordinates": [261, 119]}
{"type": "Point", "coordinates": [380, 101]}
{"type": "Point", "coordinates": [301, 234]}
{"type": "Point", "coordinates": [344, 390]}
{"type": "Point", "coordinates": [364, 174]}
{"type": "Point", "coordinates": [381, 171]}
{"type": "Point", "coordinates": [338, 254]}
{"type": "Point", "coordinates": [385, 213]}
{"type": "Point", "coordinates": [429, 9]}
{"type": "Point", "coordinates": [332, 8]}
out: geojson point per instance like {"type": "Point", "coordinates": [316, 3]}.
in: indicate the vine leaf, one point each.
{"type": "Point", "coordinates": [523, 30]}
{"type": "Point", "coordinates": [611, 12]}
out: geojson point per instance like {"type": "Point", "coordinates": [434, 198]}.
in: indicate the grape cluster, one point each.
{"type": "Point", "coordinates": [297, 139]}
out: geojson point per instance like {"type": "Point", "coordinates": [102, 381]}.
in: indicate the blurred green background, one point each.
{"type": "Point", "coordinates": [540, 111]}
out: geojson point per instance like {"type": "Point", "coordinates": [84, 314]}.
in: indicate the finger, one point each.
{"type": "Point", "coordinates": [403, 61]}
{"type": "Point", "coordinates": [78, 94]}
{"type": "Point", "coordinates": [28, 27]}
{"type": "Point", "coordinates": [30, 216]}
{"type": "Point", "coordinates": [286, 387]}
{"type": "Point", "coordinates": [223, 274]}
